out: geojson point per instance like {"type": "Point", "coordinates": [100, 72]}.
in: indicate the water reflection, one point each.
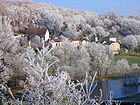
{"type": "Point", "coordinates": [130, 86]}
{"type": "Point", "coordinates": [121, 87]}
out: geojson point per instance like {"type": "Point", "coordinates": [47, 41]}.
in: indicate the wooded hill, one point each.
{"type": "Point", "coordinates": [64, 21]}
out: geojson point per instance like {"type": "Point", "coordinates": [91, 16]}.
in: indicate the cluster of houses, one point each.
{"type": "Point", "coordinates": [109, 40]}
{"type": "Point", "coordinates": [44, 33]}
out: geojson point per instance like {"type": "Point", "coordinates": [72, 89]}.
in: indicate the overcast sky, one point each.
{"type": "Point", "coordinates": [121, 7]}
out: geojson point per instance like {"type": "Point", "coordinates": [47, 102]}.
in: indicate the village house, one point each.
{"type": "Point", "coordinates": [32, 32]}
{"type": "Point", "coordinates": [74, 42]}
{"type": "Point", "coordinates": [115, 46]}
{"type": "Point", "coordinates": [109, 40]}
{"type": "Point", "coordinates": [112, 42]}
{"type": "Point", "coordinates": [44, 33]}
{"type": "Point", "coordinates": [56, 42]}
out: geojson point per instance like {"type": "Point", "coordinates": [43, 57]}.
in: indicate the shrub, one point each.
{"type": "Point", "coordinates": [135, 67]}
{"type": "Point", "coordinates": [52, 90]}
{"type": "Point", "coordinates": [122, 66]}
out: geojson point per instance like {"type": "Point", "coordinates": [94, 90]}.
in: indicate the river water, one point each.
{"type": "Point", "coordinates": [121, 87]}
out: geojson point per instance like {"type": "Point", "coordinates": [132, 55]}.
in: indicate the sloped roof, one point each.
{"type": "Point", "coordinates": [110, 36]}
{"type": "Point", "coordinates": [36, 31]}
{"type": "Point", "coordinates": [57, 40]}
{"type": "Point", "coordinates": [71, 39]}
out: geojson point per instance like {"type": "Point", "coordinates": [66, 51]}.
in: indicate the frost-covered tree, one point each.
{"type": "Point", "coordinates": [10, 50]}
{"type": "Point", "coordinates": [138, 42]}
{"type": "Point", "coordinates": [130, 42]}
{"type": "Point", "coordinates": [23, 41]}
{"type": "Point", "coordinates": [107, 23]}
{"type": "Point", "coordinates": [78, 19]}
{"type": "Point", "coordinates": [54, 22]}
{"type": "Point", "coordinates": [122, 66]}
{"type": "Point", "coordinates": [69, 33]}
{"type": "Point", "coordinates": [73, 59]}
{"type": "Point", "coordinates": [128, 26]}
{"type": "Point", "coordinates": [93, 19]}
{"type": "Point", "coordinates": [52, 90]}
{"type": "Point", "coordinates": [100, 32]}
{"type": "Point", "coordinates": [110, 15]}
{"type": "Point", "coordinates": [8, 44]}
{"type": "Point", "coordinates": [101, 58]}
{"type": "Point", "coordinates": [28, 14]}
{"type": "Point", "coordinates": [135, 67]}
{"type": "Point", "coordinates": [35, 42]}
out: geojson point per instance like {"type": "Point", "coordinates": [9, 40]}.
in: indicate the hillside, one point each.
{"type": "Point", "coordinates": [63, 21]}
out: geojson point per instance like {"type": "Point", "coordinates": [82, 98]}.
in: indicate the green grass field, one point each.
{"type": "Point", "coordinates": [131, 59]}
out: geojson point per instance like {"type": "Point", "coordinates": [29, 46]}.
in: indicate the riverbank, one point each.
{"type": "Point", "coordinates": [16, 89]}
{"type": "Point", "coordinates": [126, 94]}
{"type": "Point", "coordinates": [130, 99]}
{"type": "Point", "coordinates": [119, 75]}
{"type": "Point", "coordinates": [108, 76]}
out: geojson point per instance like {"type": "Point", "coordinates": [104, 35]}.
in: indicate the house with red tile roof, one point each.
{"type": "Point", "coordinates": [74, 42]}
{"type": "Point", "coordinates": [32, 32]}
{"type": "Point", "coordinates": [42, 33]}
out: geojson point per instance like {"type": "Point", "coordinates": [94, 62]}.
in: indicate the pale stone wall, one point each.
{"type": "Point", "coordinates": [75, 43]}
{"type": "Point", "coordinates": [84, 42]}
{"type": "Point", "coordinates": [115, 47]}
{"type": "Point", "coordinates": [47, 35]}
{"type": "Point", "coordinates": [113, 39]}
{"type": "Point", "coordinates": [54, 44]}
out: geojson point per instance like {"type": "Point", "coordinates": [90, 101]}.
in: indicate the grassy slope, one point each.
{"type": "Point", "coordinates": [131, 59]}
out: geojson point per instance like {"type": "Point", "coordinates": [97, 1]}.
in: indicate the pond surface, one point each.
{"type": "Point", "coordinates": [121, 87]}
